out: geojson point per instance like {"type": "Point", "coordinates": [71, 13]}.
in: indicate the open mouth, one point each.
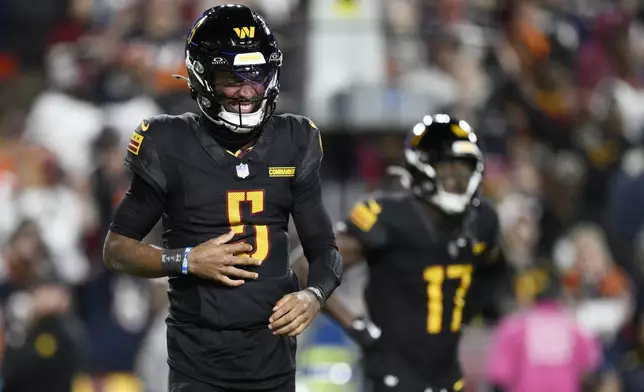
{"type": "Point", "coordinates": [243, 107]}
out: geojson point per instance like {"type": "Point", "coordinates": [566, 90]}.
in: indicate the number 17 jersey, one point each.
{"type": "Point", "coordinates": [419, 277]}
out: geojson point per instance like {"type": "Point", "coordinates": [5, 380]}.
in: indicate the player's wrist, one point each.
{"type": "Point", "coordinates": [175, 261]}
{"type": "Point", "coordinates": [317, 294]}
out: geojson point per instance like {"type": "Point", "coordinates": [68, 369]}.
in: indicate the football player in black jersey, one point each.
{"type": "Point", "coordinates": [224, 182]}
{"type": "Point", "coordinates": [430, 249]}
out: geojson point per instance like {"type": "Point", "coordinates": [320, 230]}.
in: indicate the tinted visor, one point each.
{"type": "Point", "coordinates": [238, 76]}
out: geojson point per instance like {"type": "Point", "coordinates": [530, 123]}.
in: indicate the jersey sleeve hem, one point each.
{"type": "Point", "coordinates": [125, 232]}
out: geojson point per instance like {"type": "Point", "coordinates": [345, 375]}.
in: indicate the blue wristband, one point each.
{"type": "Point", "coordinates": [184, 264]}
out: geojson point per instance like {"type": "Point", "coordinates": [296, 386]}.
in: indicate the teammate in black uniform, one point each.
{"type": "Point", "coordinates": [429, 249]}
{"type": "Point", "coordinates": [224, 182]}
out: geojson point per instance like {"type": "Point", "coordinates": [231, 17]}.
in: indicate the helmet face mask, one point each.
{"type": "Point", "coordinates": [445, 164]}
{"type": "Point", "coordinates": [453, 176]}
{"type": "Point", "coordinates": [240, 92]}
{"type": "Point", "coordinates": [233, 67]}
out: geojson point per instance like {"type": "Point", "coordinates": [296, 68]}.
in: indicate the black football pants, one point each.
{"type": "Point", "coordinates": [180, 383]}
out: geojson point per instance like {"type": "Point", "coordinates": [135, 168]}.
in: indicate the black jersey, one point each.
{"type": "Point", "coordinates": [419, 277]}
{"type": "Point", "coordinates": [217, 332]}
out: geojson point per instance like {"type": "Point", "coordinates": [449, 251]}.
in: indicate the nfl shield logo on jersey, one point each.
{"type": "Point", "coordinates": [242, 170]}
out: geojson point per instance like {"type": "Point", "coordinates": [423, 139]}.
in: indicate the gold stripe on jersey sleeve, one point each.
{"type": "Point", "coordinates": [363, 216]}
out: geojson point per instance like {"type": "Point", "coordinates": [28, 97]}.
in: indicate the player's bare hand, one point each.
{"type": "Point", "coordinates": [293, 313]}
{"type": "Point", "coordinates": [218, 260]}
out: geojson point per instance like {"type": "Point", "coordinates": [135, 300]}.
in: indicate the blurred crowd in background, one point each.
{"type": "Point", "coordinates": [554, 88]}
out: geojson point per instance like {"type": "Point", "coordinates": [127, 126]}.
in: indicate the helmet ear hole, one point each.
{"type": "Point", "coordinates": [428, 186]}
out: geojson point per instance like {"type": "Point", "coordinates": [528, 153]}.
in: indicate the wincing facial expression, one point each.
{"type": "Point", "coordinates": [242, 91]}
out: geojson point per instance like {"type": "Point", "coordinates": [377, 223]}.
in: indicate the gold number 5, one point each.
{"type": "Point", "coordinates": [434, 276]}
{"type": "Point", "coordinates": [234, 202]}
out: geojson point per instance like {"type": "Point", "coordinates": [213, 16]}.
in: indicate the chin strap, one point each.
{"type": "Point", "coordinates": [181, 77]}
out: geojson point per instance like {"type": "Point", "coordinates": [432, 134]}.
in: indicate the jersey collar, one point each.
{"type": "Point", "coordinates": [224, 157]}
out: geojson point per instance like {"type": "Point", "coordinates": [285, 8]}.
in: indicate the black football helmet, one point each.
{"type": "Point", "coordinates": [441, 138]}
{"type": "Point", "coordinates": [233, 43]}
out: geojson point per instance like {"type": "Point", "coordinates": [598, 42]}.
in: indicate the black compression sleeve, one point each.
{"type": "Point", "coordinates": [311, 220]}
{"type": "Point", "coordinates": [492, 289]}
{"type": "Point", "coordinates": [138, 211]}
{"type": "Point", "coordinates": [318, 242]}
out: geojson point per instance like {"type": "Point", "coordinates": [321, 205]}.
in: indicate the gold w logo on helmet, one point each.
{"type": "Point", "coordinates": [243, 32]}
